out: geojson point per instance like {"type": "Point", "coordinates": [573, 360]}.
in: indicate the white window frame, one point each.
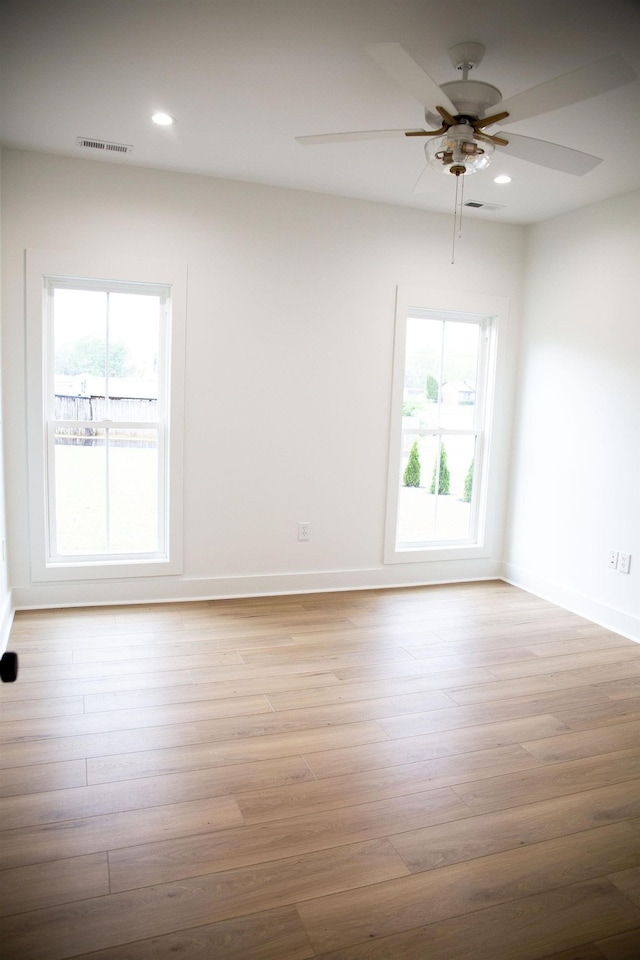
{"type": "Point", "coordinates": [47, 269]}
{"type": "Point", "coordinates": [492, 313]}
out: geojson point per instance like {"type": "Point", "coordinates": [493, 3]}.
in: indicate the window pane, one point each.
{"type": "Point", "coordinates": [423, 370]}
{"type": "Point", "coordinates": [453, 509]}
{"type": "Point", "coordinates": [79, 340]}
{"type": "Point", "coordinates": [435, 504]}
{"type": "Point", "coordinates": [133, 491]}
{"type": "Point", "coordinates": [133, 350]}
{"type": "Point", "coordinates": [106, 491]}
{"type": "Point", "coordinates": [416, 507]}
{"type": "Point", "coordinates": [106, 355]}
{"type": "Point", "coordinates": [459, 375]}
{"type": "Point", "coordinates": [81, 492]}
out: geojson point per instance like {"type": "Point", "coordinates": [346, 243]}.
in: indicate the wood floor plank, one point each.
{"type": "Point", "coordinates": [33, 709]}
{"type": "Point", "coordinates": [506, 717]}
{"type": "Point", "coordinates": [586, 743]}
{"type": "Point", "coordinates": [336, 921]}
{"type": "Point", "coordinates": [521, 686]}
{"type": "Point", "coordinates": [623, 946]}
{"type": "Point", "coordinates": [90, 925]}
{"type": "Point", "coordinates": [484, 834]}
{"type": "Point", "coordinates": [339, 692]}
{"type": "Point", "coordinates": [542, 665]}
{"type": "Point", "coordinates": [333, 792]}
{"type": "Point", "coordinates": [517, 930]}
{"type": "Point", "coordinates": [629, 882]}
{"type": "Point", "coordinates": [45, 689]}
{"type": "Point", "coordinates": [44, 657]}
{"type": "Point", "coordinates": [586, 951]}
{"type": "Point", "coordinates": [148, 792]}
{"type": "Point", "coordinates": [562, 628]}
{"type": "Point", "coordinates": [17, 781]}
{"type": "Point", "coordinates": [191, 692]}
{"type": "Point", "coordinates": [149, 763]}
{"type": "Point", "coordinates": [268, 935]}
{"type": "Point", "coordinates": [602, 640]}
{"type": "Point", "coordinates": [600, 714]}
{"type": "Point", "coordinates": [340, 651]}
{"type": "Point", "coordinates": [74, 838]}
{"type": "Point", "coordinates": [553, 780]}
{"type": "Point", "coordinates": [621, 688]}
{"type": "Point", "coordinates": [169, 645]}
{"type": "Point", "coordinates": [59, 881]}
{"type": "Point", "coordinates": [333, 763]}
{"type": "Point", "coordinates": [168, 860]}
{"type": "Point", "coordinates": [442, 680]}
{"type": "Point", "coordinates": [104, 721]}
{"type": "Point", "coordinates": [186, 734]}
{"type": "Point", "coordinates": [448, 657]}
{"type": "Point", "coordinates": [451, 718]}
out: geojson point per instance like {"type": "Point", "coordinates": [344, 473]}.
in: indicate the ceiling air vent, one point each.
{"type": "Point", "coordinates": [91, 144]}
{"type": "Point", "coordinates": [479, 205]}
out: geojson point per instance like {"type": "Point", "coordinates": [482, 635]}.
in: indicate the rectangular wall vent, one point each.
{"type": "Point", "coordinates": [479, 205]}
{"type": "Point", "coordinates": [91, 144]}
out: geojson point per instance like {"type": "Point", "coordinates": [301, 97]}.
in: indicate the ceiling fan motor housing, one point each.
{"type": "Point", "coordinates": [471, 98]}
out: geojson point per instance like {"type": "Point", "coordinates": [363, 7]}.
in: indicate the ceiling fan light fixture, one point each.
{"type": "Point", "coordinates": [458, 152]}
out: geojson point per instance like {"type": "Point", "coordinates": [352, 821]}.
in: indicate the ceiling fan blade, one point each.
{"type": "Point", "coordinates": [551, 155]}
{"type": "Point", "coordinates": [581, 84]}
{"type": "Point", "coordinates": [358, 135]}
{"type": "Point", "coordinates": [404, 70]}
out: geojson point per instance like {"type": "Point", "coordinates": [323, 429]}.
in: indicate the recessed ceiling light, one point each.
{"type": "Point", "coordinates": [503, 178]}
{"type": "Point", "coordinates": [163, 119]}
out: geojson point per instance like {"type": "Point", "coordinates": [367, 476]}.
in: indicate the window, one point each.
{"type": "Point", "coordinates": [105, 445]}
{"type": "Point", "coordinates": [441, 413]}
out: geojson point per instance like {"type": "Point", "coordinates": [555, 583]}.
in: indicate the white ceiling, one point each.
{"type": "Point", "coordinates": [245, 77]}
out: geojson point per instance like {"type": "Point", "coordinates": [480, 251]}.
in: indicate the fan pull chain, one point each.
{"type": "Point", "coordinates": [457, 216]}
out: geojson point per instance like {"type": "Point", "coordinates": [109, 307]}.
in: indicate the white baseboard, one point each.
{"type": "Point", "coordinates": [169, 589]}
{"type": "Point", "coordinates": [608, 617]}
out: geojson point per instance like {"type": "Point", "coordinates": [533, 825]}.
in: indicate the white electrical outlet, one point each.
{"type": "Point", "coordinates": [304, 530]}
{"type": "Point", "coordinates": [625, 562]}
{"type": "Point", "coordinates": [613, 559]}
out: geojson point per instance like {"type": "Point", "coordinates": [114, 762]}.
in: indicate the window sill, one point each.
{"type": "Point", "coordinates": [435, 554]}
{"type": "Point", "coordinates": [106, 570]}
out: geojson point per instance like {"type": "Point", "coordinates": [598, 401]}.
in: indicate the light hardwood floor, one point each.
{"type": "Point", "coordinates": [439, 773]}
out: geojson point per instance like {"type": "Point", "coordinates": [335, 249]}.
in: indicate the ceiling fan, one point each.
{"type": "Point", "coordinates": [460, 112]}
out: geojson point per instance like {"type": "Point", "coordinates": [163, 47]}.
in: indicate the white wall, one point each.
{"type": "Point", "coordinates": [576, 456]}
{"type": "Point", "coordinates": [289, 359]}
{"type": "Point", "coordinates": [6, 608]}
